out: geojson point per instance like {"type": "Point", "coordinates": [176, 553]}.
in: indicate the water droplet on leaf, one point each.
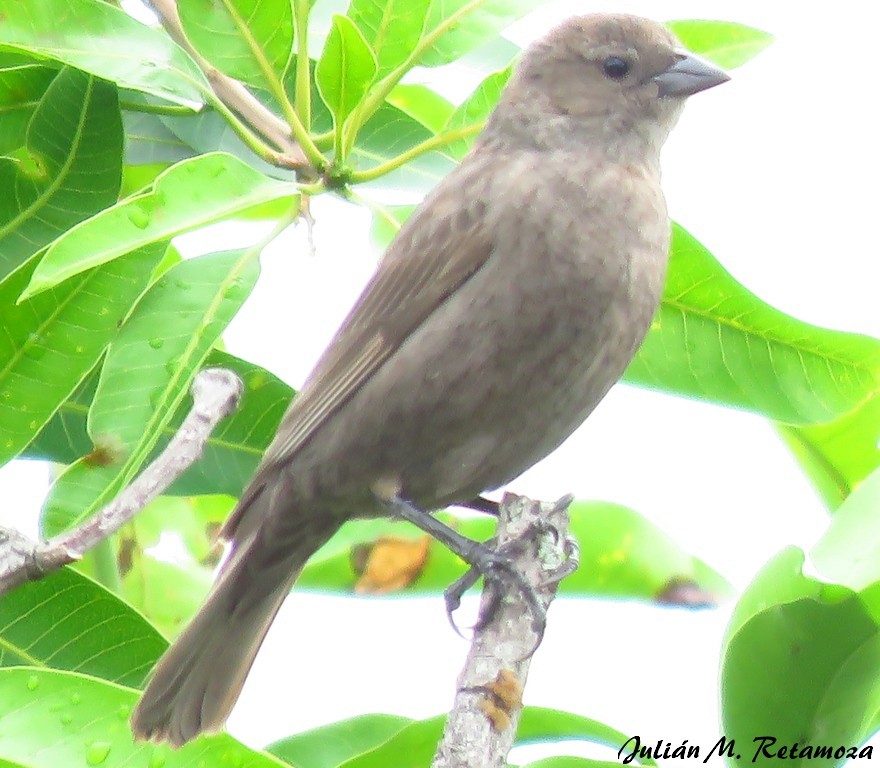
{"type": "Point", "coordinates": [97, 752]}
{"type": "Point", "coordinates": [139, 217]}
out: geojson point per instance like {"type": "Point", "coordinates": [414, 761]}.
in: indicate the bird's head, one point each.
{"type": "Point", "coordinates": [609, 79]}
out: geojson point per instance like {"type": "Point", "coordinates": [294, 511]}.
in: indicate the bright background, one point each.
{"type": "Point", "coordinates": [776, 173]}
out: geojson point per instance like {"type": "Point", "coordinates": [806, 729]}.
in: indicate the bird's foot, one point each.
{"type": "Point", "coordinates": [495, 564]}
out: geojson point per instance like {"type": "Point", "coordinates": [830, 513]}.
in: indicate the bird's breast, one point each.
{"type": "Point", "coordinates": [514, 360]}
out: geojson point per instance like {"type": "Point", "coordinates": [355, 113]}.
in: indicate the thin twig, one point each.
{"type": "Point", "coordinates": [481, 727]}
{"type": "Point", "coordinates": [216, 392]}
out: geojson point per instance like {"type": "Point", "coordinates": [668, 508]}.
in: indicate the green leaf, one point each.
{"type": "Point", "coordinates": [146, 375]}
{"type": "Point", "coordinates": [159, 350]}
{"type": "Point", "coordinates": [67, 166]}
{"type": "Point", "coordinates": [178, 516]}
{"type": "Point", "coordinates": [329, 745]}
{"type": "Point", "coordinates": [53, 719]}
{"type": "Point", "coordinates": [67, 621]}
{"type": "Point", "coordinates": [849, 551]}
{"type": "Point", "coordinates": [387, 221]}
{"type": "Point", "coordinates": [346, 69]}
{"type": "Point", "coordinates": [413, 745]}
{"type": "Point", "coordinates": [104, 40]}
{"type": "Point", "coordinates": [137, 178]}
{"type": "Point", "coordinates": [456, 27]}
{"type": "Point", "coordinates": [815, 658]}
{"type": "Point", "coordinates": [11, 59]}
{"type": "Point", "coordinates": [541, 724]}
{"type": "Point", "coordinates": [169, 594]}
{"type": "Point", "coordinates": [233, 450]}
{"type": "Point", "coordinates": [208, 131]}
{"type": "Point", "coordinates": [493, 56]}
{"type": "Point", "coordinates": [64, 439]}
{"type": "Point", "coordinates": [237, 445]}
{"type": "Point", "coordinates": [250, 41]}
{"type": "Point", "coordinates": [57, 337]}
{"type": "Point", "coordinates": [839, 455]}
{"type": "Point", "coordinates": [809, 647]}
{"type": "Point", "coordinates": [188, 195]}
{"type": "Point", "coordinates": [714, 340]}
{"type": "Point", "coordinates": [421, 103]}
{"type": "Point", "coordinates": [475, 110]}
{"type": "Point", "coordinates": [149, 140]}
{"type": "Point", "coordinates": [388, 133]}
{"type": "Point", "coordinates": [391, 28]}
{"type": "Point", "coordinates": [21, 91]}
{"type": "Point", "coordinates": [622, 556]}
{"type": "Point", "coordinates": [726, 43]}
{"type": "Point", "coordinates": [321, 14]}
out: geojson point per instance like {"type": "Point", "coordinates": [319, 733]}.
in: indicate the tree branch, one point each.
{"type": "Point", "coordinates": [481, 727]}
{"type": "Point", "coordinates": [235, 96]}
{"type": "Point", "coordinates": [216, 392]}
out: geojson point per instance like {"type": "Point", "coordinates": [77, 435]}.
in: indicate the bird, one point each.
{"type": "Point", "coordinates": [503, 311]}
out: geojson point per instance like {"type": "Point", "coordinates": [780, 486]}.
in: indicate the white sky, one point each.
{"type": "Point", "coordinates": [770, 172]}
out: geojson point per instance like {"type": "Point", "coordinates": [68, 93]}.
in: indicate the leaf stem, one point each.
{"type": "Point", "coordinates": [324, 140]}
{"type": "Point", "coordinates": [303, 80]}
{"type": "Point", "coordinates": [172, 110]}
{"type": "Point", "coordinates": [440, 140]}
{"type": "Point", "coordinates": [276, 88]}
{"type": "Point", "coordinates": [243, 131]}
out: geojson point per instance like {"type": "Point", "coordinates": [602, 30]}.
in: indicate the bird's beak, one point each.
{"type": "Point", "coordinates": [689, 75]}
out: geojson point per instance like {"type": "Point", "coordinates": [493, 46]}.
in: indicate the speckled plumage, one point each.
{"type": "Point", "coordinates": [505, 309]}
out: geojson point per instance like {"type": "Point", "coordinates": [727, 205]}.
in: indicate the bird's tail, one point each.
{"type": "Point", "coordinates": [196, 683]}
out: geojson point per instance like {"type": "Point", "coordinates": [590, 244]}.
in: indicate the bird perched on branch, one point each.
{"type": "Point", "coordinates": [504, 310]}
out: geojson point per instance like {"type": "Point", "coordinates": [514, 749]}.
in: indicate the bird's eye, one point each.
{"type": "Point", "coordinates": [615, 67]}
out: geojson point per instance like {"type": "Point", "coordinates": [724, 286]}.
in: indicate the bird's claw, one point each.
{"type": "Point", "coordinates": [497, 567]}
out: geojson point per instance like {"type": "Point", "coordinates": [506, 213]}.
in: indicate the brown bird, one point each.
{"type": "Point", "coordinates": [507, 306]}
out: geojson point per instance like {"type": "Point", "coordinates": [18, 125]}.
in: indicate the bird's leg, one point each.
{"type": "Point", "coordinates": [484, 560]}
{"type": "Point", "coordinates": [481, 504]}
{"type": "Point", "coordinates": [454, 592]}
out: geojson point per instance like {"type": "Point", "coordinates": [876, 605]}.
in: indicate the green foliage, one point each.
{"type": "Point", "coordinates": [38, 620]}
{"type": "Point", "coordinates": [63, 157]}
{"type": "Point", "coordinates": [112, 143]}
{"type": "Point", "coordinates": [250, 41]}
{"type": "Point", "coordinates": [37, 344]}
{"type": "Point", "coordinates": [97, 38]}
{"type": "Point", "coordinates": [376, 741]}
{"type": "Point", "coordinates": [809, 645]}
{"type": "Point", "coordinates": [623, 555]}
{"type": "Point", "coordinates": [726, 43]}
{"type": "Point", "coordinates": [839, 455]}
{"type": "Point", "coordinates": [345, 70]}
{"type": "Point", "coordinates": [187, 196]}
{"type": "Point", "coordinates": [784, 369]}
{"type": "Point", "coordinates": [53, 718]}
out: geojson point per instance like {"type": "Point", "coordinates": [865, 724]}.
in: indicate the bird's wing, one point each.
{"type": "Point", "coordinates": [438, 249]}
